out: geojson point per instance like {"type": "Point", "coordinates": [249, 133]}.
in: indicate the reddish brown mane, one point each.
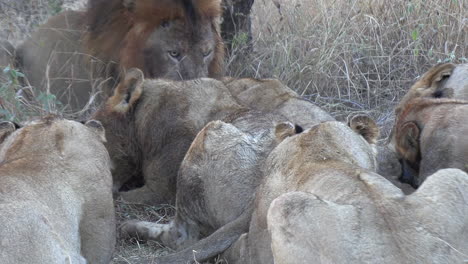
{"type": "Point", "coordinates": [116, 32]}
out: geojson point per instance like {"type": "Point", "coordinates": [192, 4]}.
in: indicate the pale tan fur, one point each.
{"type": "Point", "coordinates": [55, 193]}
{"type": "Point", "coordinates": [445, 80]}
{"type": "Point", "coordinates": [370, 221]}
{"type": "Point", "coordinates": [138, 139]}
{"type": "Point", "coordinates": [150, 125]}
{"type": "Point", "coordinates": [271, 95]}
{"type": "Point", "coordinates": [322, 202]}
{"type": "Point", "coordinates": [217, 184]}
{"type": "Point", "coordinates": [430, 134]}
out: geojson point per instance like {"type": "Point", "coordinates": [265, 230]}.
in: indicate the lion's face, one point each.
{"type": "Point", "coordinates": [170, 39]}
{"type": "Point", "coordinates": [179, 51]}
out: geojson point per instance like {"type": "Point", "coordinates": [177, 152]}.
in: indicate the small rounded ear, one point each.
{"type": "Point", "coordinates": [127, 92]}
{"type": "Point", "coordinates": [97, 128]}
{"type": "Point", "coordinates": [407, 142]}
{"type": "Point", "coordinates": [435, 75]}
{"type": "Point", "coordinates": [6, 128]}
{"type": "Point", "coordinates": [364, 126]}
{"type": "Point", "coordinates": [284, 130]}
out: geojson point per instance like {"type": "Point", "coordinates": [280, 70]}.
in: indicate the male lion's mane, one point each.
{"type": "Point", "coordinates": [117, 29]}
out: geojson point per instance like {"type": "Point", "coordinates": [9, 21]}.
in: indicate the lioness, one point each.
{"type": "Point", "coordinates": [430, 134]}
{"type": "Point", "coordinates": [352, 215]}
{"type": "Point", "coordinates": [55, 193]}
{"type": "Point", "coordinates": [76, 53]}
{"type": "Point", "coordinates": [223, 168]}
{"type": "Point", "coordinates": [270, 95]}
{"type": "Point", "coordinates": [374, 224]}
{"type": "Point", "coordinates": [441, 81]}
{"type": "Point", "coordinates": [220, 168]}
{"type": "Point", "coordinates": [150, 125]}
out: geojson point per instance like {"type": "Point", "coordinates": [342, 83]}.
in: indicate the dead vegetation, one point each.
{"type": "Point", "coordinates": [353, 56]}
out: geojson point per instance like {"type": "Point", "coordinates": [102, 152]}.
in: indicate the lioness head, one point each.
{"type": "Point", "coordinates": [173, 39]}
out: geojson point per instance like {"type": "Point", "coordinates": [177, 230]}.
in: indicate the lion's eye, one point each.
{"type": "Point", "coordinates": [207, 53]}
{"type": "Point", "coordinates": [174, 54]}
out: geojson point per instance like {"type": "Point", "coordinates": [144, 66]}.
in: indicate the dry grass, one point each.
{"type": "Point", "coordinates": [129, 251]}
{"type": "Point", "coordinates": [346, 56]}
{"type": "Point", "coordinates": [353, 56]}
{"type": "Point", "coordinates": [134, 251]}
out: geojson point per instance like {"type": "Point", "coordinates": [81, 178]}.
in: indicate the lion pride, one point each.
{"type": "Point", "coordinates": [151, 123]}
{"type": "Point", "coordinates": [321, 202]}
{"type": "Point", "coordinates": [431, 134]}
{"type": "Point", "coordinates": [76, 53]}
{"type": "Point", "coordinates": [55, 193]}
{"type": "Point", "coordinates": [218, 183]}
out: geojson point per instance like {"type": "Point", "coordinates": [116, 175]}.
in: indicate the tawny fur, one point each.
{"type": "Point", "coordinates": [222, 167]}
{"type": "Point", "coordinates": [430, 135]}
{"type": "Point", "coordinates": [445, 80]}
{"type": "Point", "coordinates": [150, 139]}
{"type": "Point", "coordinates": [150, 128]}
{"type": "Point", "coordinates": [364, 126]}
{"type": "Point", "coordinates": [55, 193]}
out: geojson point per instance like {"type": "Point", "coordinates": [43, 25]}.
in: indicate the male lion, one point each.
{"type": "Point", "coordinates": [430, 134]}
{"type": "Point", "coordinates": [75, 53]}
{"type": "Point", "coordinates": [150, 125]}
{"type": "Point", "coordinates": [223, 168]}
{"type": "Point", "coordinates": [55, 193]}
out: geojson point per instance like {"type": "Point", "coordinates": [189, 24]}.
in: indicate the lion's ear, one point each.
{"type": "Point", "coordinates": [364, 126]}
{"type": "Point", "coordinates": [6, 128]}
{"type": "Point", "coordinates": [127, 92]}
{"type": "Point", "coordinates": [97, 128]}
{"type": "Point", "coordinates": [407, 142]}
{"type": "Point", "coordinates": [435, 76]}
{"type": "Point", "coordinates": [284, 130]}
